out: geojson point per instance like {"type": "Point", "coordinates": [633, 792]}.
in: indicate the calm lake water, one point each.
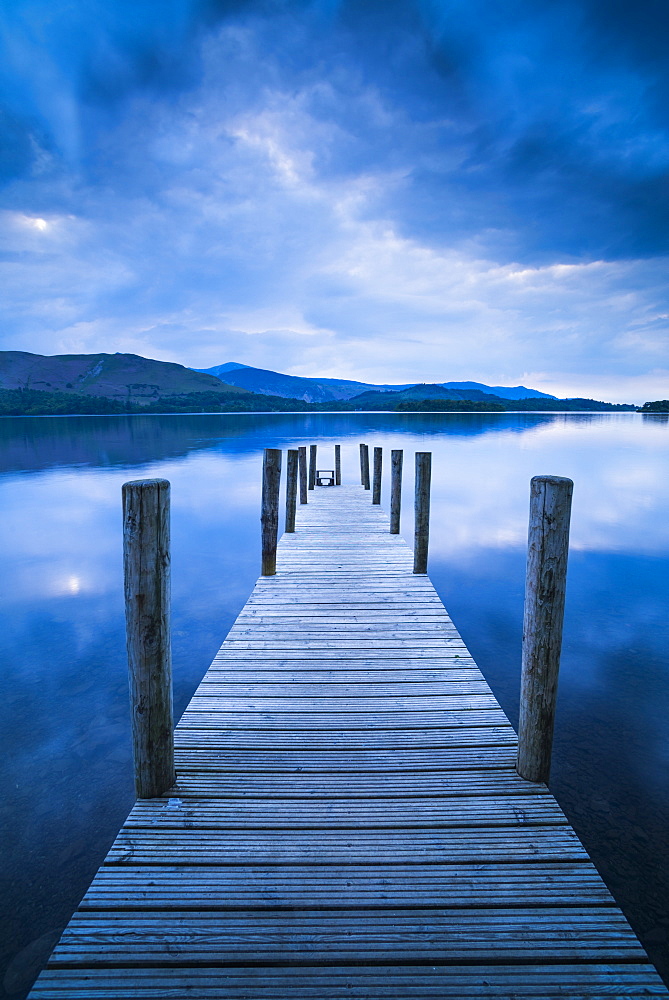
{"type": "Point", "coordinates": [64, 722]}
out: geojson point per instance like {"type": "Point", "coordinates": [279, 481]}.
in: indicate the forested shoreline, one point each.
{"type": "Point", "coordinates": [35, 402]}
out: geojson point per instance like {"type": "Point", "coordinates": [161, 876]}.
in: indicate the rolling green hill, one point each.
{"type": "Point", "coordinates": [121, 377]}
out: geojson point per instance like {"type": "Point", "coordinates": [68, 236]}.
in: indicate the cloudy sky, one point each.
{"type": "Point", "coordinates": [391, 190]}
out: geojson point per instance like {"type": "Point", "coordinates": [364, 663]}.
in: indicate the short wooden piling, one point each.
{"type": "Point", "coordinates": [291, 488]}
{"type": "Point", "coordinates": [146, 564]}
{"type": "Point", "coordinates": [396, 462]}
{"type": "Point", "coordinates": [312, 466]}
{"type": "Point", "coordinates": [422, 511]}
{"type": "Point", "coordinates": [364, 465]}
{"type": "Point", "coordinates": [337, 450]}
{"type": "Point", "coordinates": [548, 547]}
{"type": "Point", "coordinates": [269, 516]}
{"type": "Point", "coordinates": [302, 462]}
{"type": "Point", "coordinates": [376, 483]}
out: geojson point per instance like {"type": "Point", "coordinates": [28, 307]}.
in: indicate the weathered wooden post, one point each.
{"type": "Point", "coordinates": [548, 547]}
{"type": "Point", "coordinates": [269, 515]}
{"type": "Point", "coordinates": [364, 466]}
{"type": "Point", "coordinates": [291, 489]}
{"type": "Point", "coordinates": [302, 462]}
{"type": "Point", "coordinates": [396, 462]}
{"type": "Point", "coordinates": [337, 448]}
{"type": "Point", "coordinates": [422, 511]}
{"type": "Point", "coordinates": [146, 566]}
{"type": "Point", "coordinates": [312, 466]}
{"type": "Point", "coordinates": [378, 460]}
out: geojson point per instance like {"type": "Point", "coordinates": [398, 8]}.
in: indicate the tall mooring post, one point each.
{"type": "Point", "coordinates": [396, 462]}
{"type": "Point", "coordinates": [364, 465]}
{"type": "Point", "coordinates": [548, 548]}
{"type": "Point", "coordinates": [422, 511]}
{"type": "Point", "coordinates": [337, 450]}
{"type": "Point", "coordinates": [291, 489]}
{"type": "Point", "coordinates": [269, 515]}
{"type": "Point", "coordinates": [302, 462]}
{"type": "Point", "coordinates": [312, 466]}
{"type": "Point", "coordinates": [376, 483]}
{"type": "Point", "coordinates": [146, 569]}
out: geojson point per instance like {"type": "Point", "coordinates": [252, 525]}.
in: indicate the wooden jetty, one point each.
{"type": "Point", "coordinates": [347, 819]}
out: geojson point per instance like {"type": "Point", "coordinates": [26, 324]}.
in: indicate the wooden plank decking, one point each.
{"type": "Point", "coordinates": [347, 820]}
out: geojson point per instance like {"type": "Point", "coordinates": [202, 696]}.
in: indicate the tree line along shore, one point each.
{"type": "Point", "coordinates": [35, 402]}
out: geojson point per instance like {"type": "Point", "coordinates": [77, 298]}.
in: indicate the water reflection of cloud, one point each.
{"type": "Point", "coordinates": [481, 486]}
{"type": "Point", "coordinates": [61, 532]}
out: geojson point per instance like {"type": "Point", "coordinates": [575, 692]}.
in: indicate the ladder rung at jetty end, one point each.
{"type": "Point", "coordinates": [347, 819]}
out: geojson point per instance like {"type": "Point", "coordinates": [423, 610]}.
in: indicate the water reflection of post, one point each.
{"type": "Point", "coordinates": [146, 564]}
{"type": "Point", "coordinates": [548, 547]}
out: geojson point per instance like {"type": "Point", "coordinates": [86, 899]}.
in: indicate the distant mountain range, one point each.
{"type": "Point", "coordinates": [38, 385]}
{"type": "Point", "coordinates": [323, 390]}
{"type": "Point", "coordinates": [129, 377]}
{"type": "Point", "coordinates": [125, 377]}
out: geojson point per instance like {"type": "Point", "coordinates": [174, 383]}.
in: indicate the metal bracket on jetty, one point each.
{"type": "Point", "coordinates": [352, 813]}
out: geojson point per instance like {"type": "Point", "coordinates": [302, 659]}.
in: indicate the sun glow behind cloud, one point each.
{"type": "Point", "coordinates": [40, 224]}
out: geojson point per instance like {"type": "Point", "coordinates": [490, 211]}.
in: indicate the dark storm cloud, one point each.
{"type": "Point", "coordinates": [565, 112]}
{"type": "Point", "coordinates": [545, 118]}
{"type": "Point", "coordinates": [60, 56]}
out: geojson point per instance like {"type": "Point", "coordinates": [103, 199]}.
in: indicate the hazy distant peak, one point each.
{"type": "Point", "coordinates": [315, 390]}
{"type": "Point", "coordinates": [504, 391]}
{"type": "Point", "coordinates": [217, 370]}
